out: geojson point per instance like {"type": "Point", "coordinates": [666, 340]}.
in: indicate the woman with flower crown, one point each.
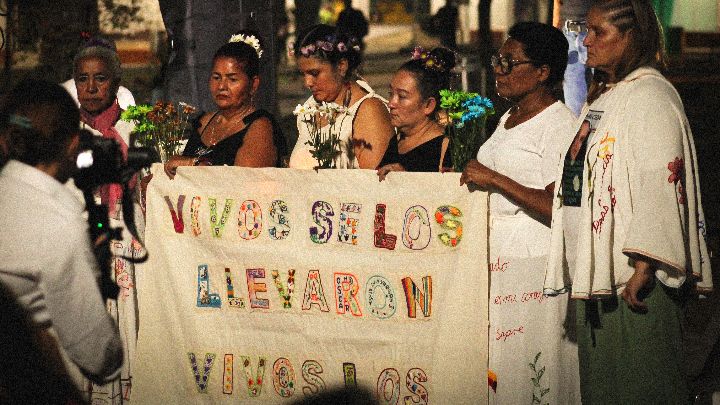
{"type": "Point", "coordinates": [360, 126]}
{"type": "Point", "coordinates": [414, 111]}
{"type": "Point", "coordinates": [532, 348]}
{"type": "Point", "coordinates": [236, 134]}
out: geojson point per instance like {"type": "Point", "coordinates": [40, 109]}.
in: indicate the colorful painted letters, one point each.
{"type": "Point", "coordinates": [379, 294]}
{"type": "Point", "coordinates": [284, 381]}
{"type": "Point", "coordinates": [417, 228]}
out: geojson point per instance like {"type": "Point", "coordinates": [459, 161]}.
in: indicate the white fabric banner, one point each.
{"type": "Point", "coordinates": [266, 285]}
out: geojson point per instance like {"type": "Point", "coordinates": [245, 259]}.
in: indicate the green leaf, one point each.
{"type": "Point", "coordinates": [544, 391]}
{"type": "Point", "coordinates": [541, 372]}
{"type": "Point", "coordinates": [537, 356]}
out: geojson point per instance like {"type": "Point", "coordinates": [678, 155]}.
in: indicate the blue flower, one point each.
{"type": "Point", "coordinates": [478, 101]}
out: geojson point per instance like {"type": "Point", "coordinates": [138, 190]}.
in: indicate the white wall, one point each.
{"type": "Point", "coordinates": [696, 15]}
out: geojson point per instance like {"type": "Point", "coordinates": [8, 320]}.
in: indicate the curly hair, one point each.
{"type": "Point", "coordinates": [544, 45]}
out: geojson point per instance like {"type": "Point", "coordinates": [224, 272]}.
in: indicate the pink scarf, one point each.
{"type": "Point", "coordinates": [105, 124]}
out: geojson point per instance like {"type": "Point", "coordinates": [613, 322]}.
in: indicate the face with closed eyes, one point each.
{"type": "Point", "coordinates": [324, 80]}
{"type": "Point", "coordinates": [230, 86]}
{"type": "Point", "coordinates": [407, 107]}
{"type": "Point", "coordinates": [95, 84]}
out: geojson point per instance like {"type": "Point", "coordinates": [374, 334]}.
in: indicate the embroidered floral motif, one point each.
{"type": "Point", "coordinates": [283, 377]}
{"type": "Point", "coordinates": [228, 375]}
{"type": "Point", "coordinates": [194, 215]}
{"type": "Point", "coordinates": [285, 293]}
{"type": "Point", "coordinates": [201, 376]}
{"type": "Point", "coordinates": [206, 299]}
{"type": "Point", "coordinates": [314, 293]}
{"type": "Point", "coordinates": [312, 371]}
{"type": "Point", "coordinates": [122, 278]}
{"type": "Point", "coordinates": [233, 301]}
{"type": "Point", "coordinates": [280, 215]}
{"type": "Point", "coordinates": [217, 225]}
{"type": "Point", "coordinates": [254, 385]}
{"type": "Point", "coordinates": [446, 216]}
{"type": "Point", "coordinates": [250, 229]}
{"type": "Point", "coordinates": [414, 377]}
{"type": "Point", "coordinates": [677, 177]}
{"type": "Point", "coordinates": [381, 239]}
{"type": "Point", "coordinates": [538, 391]}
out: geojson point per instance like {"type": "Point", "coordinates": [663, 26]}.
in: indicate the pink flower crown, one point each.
{"type": "Point", "coordinates": [329, 44]}
{"type": "Point", "coordinates": [429, 61]}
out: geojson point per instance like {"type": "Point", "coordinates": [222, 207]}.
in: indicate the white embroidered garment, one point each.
{"type": "Point", "coordinates": [525, 326]}
{"type": "Point", "coordinates": [641, 194]}
{"type": "Point", "coordinates": [124, 310]}
{"type": "Point", "coordinates": [301, 157]}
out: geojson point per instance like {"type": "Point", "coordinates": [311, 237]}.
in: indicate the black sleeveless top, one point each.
{"type": "Point", "coordinates": [422, 158]}
{"type": "Point", "coordinates": [224, 152]}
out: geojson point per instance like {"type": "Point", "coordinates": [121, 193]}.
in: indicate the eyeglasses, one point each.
{"type": "Point", "coordinates": [505, 63]}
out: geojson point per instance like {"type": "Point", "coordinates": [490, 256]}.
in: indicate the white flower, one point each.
{"type": "Point", "coordinates": [250, 40]}
{"type": "Point", "coordinates": [299, 109]}
{"type": "Point", "coordinates": [302, 109]}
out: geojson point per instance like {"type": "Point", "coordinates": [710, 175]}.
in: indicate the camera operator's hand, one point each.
{"type": "Point", "coordinates": [177, 161]}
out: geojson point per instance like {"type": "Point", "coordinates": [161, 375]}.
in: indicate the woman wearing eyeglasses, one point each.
{"type": "Point", "coordinates": [533, 353]}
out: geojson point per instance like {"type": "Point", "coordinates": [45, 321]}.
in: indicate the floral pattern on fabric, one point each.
{"type": "Point", "coordinates": [677, 177]}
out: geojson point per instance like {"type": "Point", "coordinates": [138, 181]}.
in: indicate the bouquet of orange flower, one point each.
{"type": "Point", "coordinates": [161, 126]}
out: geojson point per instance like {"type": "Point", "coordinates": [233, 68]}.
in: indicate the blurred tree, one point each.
{"type": "Point", "coordinates": [485, 45]}
{"type": "Point", "coordinates": [196, 29]}
{"type": "Point", "coordinates": [306, 14]}
{"type": "Point", "coordinates": [53, 29]}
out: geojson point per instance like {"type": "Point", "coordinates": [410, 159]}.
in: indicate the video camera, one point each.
{"type": "Point", "coordinates": [101, 162]}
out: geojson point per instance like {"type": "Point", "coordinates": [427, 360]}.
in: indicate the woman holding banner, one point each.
{"type": "Point", "coordinates": [237, 134]}
{"type": "Point", "coordinates": [328, 61]}
{"type": "Point", "coordinates": [414, 107]}
{"type": "Point", "coordinates": [533, 353]}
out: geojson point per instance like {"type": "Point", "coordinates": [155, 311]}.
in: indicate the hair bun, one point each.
{"type": "Point", "coordinates": [446, 57]}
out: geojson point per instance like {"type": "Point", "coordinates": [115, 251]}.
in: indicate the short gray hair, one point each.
{"type": "Point", "coordinates": [110, 57]}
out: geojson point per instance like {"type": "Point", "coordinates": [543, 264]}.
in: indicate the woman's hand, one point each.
{"type": "Point", "coordinates": [177, 161]}
{"type": "Point", "coordinates": [392, 167]}
{"type": "Point", "coordinates": [640, 283]}
{"type": "Point", "coordinates": [478, 174]}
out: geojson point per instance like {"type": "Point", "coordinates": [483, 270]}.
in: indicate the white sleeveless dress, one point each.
{"type": "Point", "coordinates": [301, 157]}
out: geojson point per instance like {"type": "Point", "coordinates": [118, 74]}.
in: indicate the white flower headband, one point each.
{"type": "Point", "coordinates": [250, 40]}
